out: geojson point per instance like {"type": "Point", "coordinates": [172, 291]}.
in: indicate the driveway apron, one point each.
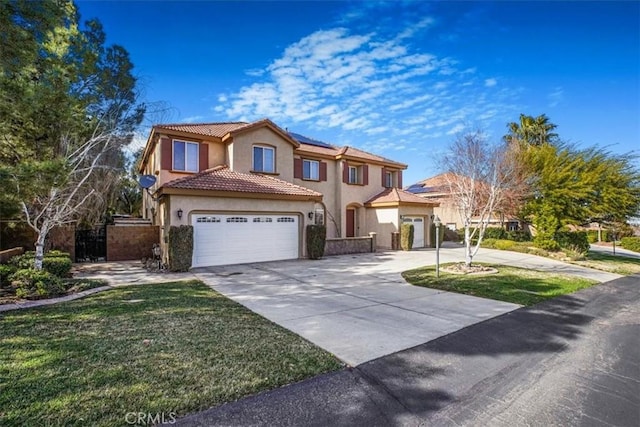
{"type": "Point", "coordinates": [357, 307]}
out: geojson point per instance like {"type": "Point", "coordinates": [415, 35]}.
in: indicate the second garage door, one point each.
{"type": "Point", "coordinates": [418, 230]}
{"type": "Point", "coordinates": [237, 239]}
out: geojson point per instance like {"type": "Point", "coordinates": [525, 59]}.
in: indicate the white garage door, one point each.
{"type": "Point", "coordinates": [237, 239]}
{"type": "Point", "coordinates": [418, 230]}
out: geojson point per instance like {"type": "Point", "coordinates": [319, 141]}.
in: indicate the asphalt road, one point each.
{"type": "Point", "coordinates": [571, 361]}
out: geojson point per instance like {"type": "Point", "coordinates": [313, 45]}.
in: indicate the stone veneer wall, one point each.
{"type": "Point", "coordinates": [350, 245]}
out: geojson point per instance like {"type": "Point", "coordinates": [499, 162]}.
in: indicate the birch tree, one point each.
{"type": "Point", "coordinates": [482, 178]}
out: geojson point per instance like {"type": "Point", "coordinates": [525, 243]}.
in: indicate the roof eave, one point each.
{"type": "Point", "coordinates": [237, 194]}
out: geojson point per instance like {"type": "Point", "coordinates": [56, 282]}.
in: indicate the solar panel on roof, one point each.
{"type": "Point", "coordinates": [303, 139]}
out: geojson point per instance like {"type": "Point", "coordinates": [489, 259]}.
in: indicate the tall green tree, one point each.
{"type": "Point", "coordinates": [68, 103]}
{"type": "Point", "coordinates": [531, 130]}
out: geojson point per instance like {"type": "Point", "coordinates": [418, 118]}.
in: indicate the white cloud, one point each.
{"type": "Point", "coordinates": [490, 82]}
{"type": "Point", "coordinates": [556, 97]}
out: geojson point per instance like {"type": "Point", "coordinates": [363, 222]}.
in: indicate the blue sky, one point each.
{"type": "Point", "coordinates": [398, 78]}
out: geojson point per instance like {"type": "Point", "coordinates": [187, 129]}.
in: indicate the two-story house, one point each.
{"type": "Point", "coordinates": [249, 189]}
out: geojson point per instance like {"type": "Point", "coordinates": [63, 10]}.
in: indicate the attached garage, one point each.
{"type": "Point", "coordinates": [244, 238]}
{"type": "Point", "coordinates": [418, 230]}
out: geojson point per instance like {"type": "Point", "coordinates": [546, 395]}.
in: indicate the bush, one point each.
{"type": "Point", "coordinates": [406, 236]}
{"type": "Point", "coordinates": [504, 245]}
{"type": "Point", "coordinates": [489, 243]}
{"type": "Point", "coordinates": [495, 233]}
{"type": "Point", "coordinates": [36, 284]}
{"type": "Point", "coordinates": [316, 236]}
{"type": "Point", "coordinates": [56, 253]}
{"type": "Point", "coordinates": [631, 243]}
{"type": "Point", "coordinates": [440, 235]}
{"type": "Point", "coordinates": [592, 236]}
{"type": "Point", "coordinates": [24, 261]}
{"type": "Point", "coordinates": [575, 241]}
{"type": "Point", "coordinates": [57, 265]}
{"type": "Point", "coordinates": [180, 247]}
{"type": "Point", "coordinates": [5, 272]}
{"type": "Point", "coordinates": [519, 236]}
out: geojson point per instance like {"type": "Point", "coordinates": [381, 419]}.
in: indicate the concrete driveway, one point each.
{"type": "Point", "coordinates": [358, 307]}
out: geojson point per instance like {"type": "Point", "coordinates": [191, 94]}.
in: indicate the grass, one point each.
{"type": "Point", "coordinates": [611, 263]}
{"type": "Point", "coordinates": [510, 284]}
{"type": "Point", "coordinates": [87, 362]}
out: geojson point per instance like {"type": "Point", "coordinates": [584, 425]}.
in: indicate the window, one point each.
{"type": "Point", "coordinates": [286, 219]}
{"type": "Point", "coordinates": [237, 219]}
{"type": "Point", "coordinates": [185, 156]}
{"type": "Point", "coordinates": [388, 179]}
{"type": "Point", "coordinates": [264, 159]}
{"type": "Point", "coordinates": [311, 170]}
{"type": "Point", "coordinates": [353, 175]}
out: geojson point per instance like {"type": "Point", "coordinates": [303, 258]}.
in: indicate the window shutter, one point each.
{"type": "Point", "coordinates": [166, 154]}
{"type": "Point", "coordinates": [203, 156]}
{"type": "Point", "coordinates": [345, 172]}
{"type": "Point", "coordinates": [365, 174]}
{"type": "Point", "coordinates": [297, 168]}
{"type": "Point", "coordinates": [384, 177]}
{"type": "Point", "coordinates": [399, 179]}
{"type": "Point", "coordinates": [323, 171]}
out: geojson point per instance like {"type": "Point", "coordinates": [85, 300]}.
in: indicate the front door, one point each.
{"type": "Point", "coordinates": [351, 222]}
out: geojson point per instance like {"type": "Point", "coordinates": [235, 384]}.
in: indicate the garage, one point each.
{"type": "Point", "coordinates": [418, 230]}
{"type": "Point", "coordinates": [241, 238]}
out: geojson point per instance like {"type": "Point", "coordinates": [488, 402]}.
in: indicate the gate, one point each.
{"type": "Point", "coordinates": [91, 245]}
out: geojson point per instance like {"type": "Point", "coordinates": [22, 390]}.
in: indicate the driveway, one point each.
{"type": "Point", "coordinates": [358, 307]}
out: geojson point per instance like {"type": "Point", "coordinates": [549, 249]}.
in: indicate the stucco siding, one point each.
{"type": "Point", "coordinates": [383, 221]}
{"type": "Point", "coordinates": [241, 159]}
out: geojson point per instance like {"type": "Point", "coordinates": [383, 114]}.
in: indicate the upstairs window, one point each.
{"type": "Point", "coordinates": [353, 175]}
{"type": "Point", "coordinates": [264, 159]}
{"type": "Point", "coordinates": [311, 170]}
{"type": "Point", "coordinates": [185, 156]}
{"type": "Point", "coordinates": [388, 179]}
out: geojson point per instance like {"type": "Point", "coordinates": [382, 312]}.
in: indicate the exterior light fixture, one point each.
{"type": "Point", "coordinates": [179, 213]}
{"type": "Point", "coordinates": [310, 215]}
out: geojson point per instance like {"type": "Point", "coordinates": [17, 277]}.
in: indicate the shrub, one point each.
{"type": "Point", "coordinates": [495, 233]}
{"type": "Point", "coordinates": [180, 247]}
{"type": "Point", "coordinates": [519, 236]}
{"type": "Point", "coordinates": [592, 236]}
{"type": "Point", "coordinates": [575, 241]}
{"type": "Point", "coordinates": [440, 235]}
{"type": "Point", "coordinates": [24, 261]}
{"type": "Point", "coordinates": [316, 236]}
{"type": "Point", "coordinates": [631, 243]}
{"type": "Point", "coordinates": [489, 243]}
{"type": "Point", "coordinates": [56, 253]}
{"type": "Point", "coordinates": [57, 265]}
{"type": "Point", "coordinates": [504, 245]}
{"type": "Point", "coordinates": [406, 236]}
{"type": "Point", "coordinates": [36, 284]}
{"type": "Point", "coordinates": [5, 272]}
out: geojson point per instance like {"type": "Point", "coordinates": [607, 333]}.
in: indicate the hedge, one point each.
{"type": "Point", "coordinates": [406, 236]}
{"type": "Point", "coordinates": [631, 243]}
{"type": "Point", "coordinates": [55, 262]}
{"type": "Point", "coordinates": [36, 284]}
{"type": "Point", "coordinates": [180, 247]}
{"type": "Point", "coordinates": [440, 235]}
{"type": "Point", "coordinates": [316, 237]}
{"type": "Point", "coordinates": [575, 241]}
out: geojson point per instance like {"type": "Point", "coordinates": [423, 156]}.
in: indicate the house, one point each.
{"type": "Point", "coordinates": [249, 190]}
{"type": "Point", "coordinates": [437, 189]}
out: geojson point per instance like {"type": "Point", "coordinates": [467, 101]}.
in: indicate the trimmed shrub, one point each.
{"type": "Point", "coordinates": [489, 243]}
{"type": "Point", "coordinates": [592, 236]}
{"type": "Point", "coordinates": [316, 237]}
{"type": "Point", "coordinates": [433, 235]}
{"type": "Point", "coordinates": [180, 247]}
{"type": "Point", "coordinates": [57, 265]}
{"type": "Point", "coordinates": [504, 245]}
{"type": "Point", "coordinates": [406, 236]}
{"type": "Point", "coordinates": [631, 243]}
{"type": "Point", "coordinates": [56, 254]}
{"type": "Point", "coordinates": [575, 241]}
{"type": "Point", "coordinates": [519, 236]}
{"type": "Point", "coordinates": [36, 284]}
{"type": "Point", "coordinates": [24, 261]}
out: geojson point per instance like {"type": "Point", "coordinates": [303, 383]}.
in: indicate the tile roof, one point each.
{"type": "Point", "coordinates": [396, 195]}
{"type": "Point", "coordinates": [360, 154]}
{"type": "Point", "coordinates": [221, 178]}
{"type": "Point", "coordinates": [438, 184]}
{"type": "Point", "coordinates": [217, 130]}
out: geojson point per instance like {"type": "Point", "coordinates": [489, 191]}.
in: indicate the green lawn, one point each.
{"type": "Point", "coordinates": [86, 362]}
{"type": "Point", "coordinates": [611, 263]}
{"type": "Point", "coordinates": [510, 284]}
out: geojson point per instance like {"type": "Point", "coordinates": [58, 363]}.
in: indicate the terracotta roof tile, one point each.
{"type": "Point", "coordinates": [396, 195]}
{"type": "Point", "coordinates": [223, 179]}
{"type": "Point", "coordinates": [217, 130]}
{"type": "Point", "coordinates": [355, 152]}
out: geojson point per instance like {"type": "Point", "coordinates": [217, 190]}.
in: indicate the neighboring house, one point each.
{"type": "Point", "coordinates": [249, 190]}
{"type": "Point", "coordinates": [437, 189]}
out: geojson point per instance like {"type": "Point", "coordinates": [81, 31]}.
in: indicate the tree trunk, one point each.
{"type": "Point", "coordinates": [40, 250]}
{"type": "Point", "coordinates": [467, 243]}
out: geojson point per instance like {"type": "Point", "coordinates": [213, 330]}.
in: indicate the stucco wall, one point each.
{"type": "Point", "coordinates": [241, 159]}
{"type": "Point", "coordinates": [383, 221]}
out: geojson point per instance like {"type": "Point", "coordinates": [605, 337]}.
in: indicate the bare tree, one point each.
{"type": "Point", "coordinates": [483, 178]}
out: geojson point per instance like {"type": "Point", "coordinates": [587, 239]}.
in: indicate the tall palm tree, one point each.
{"type": "Point", "coordinates": [534, 131]}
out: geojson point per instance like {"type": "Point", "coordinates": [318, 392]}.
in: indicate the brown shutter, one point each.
{"type": "Point", "coordinates": [365, 174]}
{"type": "Point", "coordinates": [345, 172]}
{"type": "Point", "coordinates": [297, 168]}
{"type": "Point", "coordinates": [384, 177]}
{"type": "Point", "coordinates": [166, 154]}
{"type": "Point", "coordinates": [323, 171]}
{"type": "Point", "coordinates": [204, 156]}
{"type": "Point", "coordinates": [400, 179]}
